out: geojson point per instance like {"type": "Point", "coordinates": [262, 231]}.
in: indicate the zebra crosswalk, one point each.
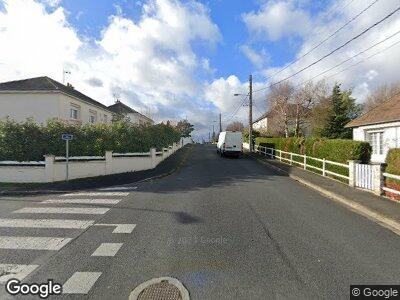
{"type": "Point", "coordinates": [45, 215]}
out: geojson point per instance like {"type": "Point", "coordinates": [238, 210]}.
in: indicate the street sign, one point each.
{"type": "Point", "coordinates": [67, 136]}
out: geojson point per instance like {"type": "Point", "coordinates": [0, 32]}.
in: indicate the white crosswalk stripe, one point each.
{"type": "Point", "coordinates": [107, 249]}
{"type": "Point", "coordinates": [46, 223]}
{"type": "Point", "coordinates": [119, 228]}
{"type": "Point", "coordinates": [97, 194]}
{"type": "Point", "coordinates": [82, 201]}
{"type": "Point", "coordinates": [32, 243]}
{"type": "Point", "coordinates": [15, 271]}
{"type": "Point", "coordinates": [62, 210]}
{"type": "Point", "coordinates": [80, 282]}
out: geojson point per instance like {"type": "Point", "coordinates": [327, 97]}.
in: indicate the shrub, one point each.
{"type": "Point", "coordinates": [30, 141]}
{"type": "Point", "coordinates": [337, 150]}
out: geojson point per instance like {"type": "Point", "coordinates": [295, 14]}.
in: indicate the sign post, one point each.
{"type": "Point", "coordinates": [67, 137]}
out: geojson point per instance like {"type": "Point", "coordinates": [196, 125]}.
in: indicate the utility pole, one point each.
{"type": "Point", "coordinates": [250, 113]}
{"type": "Point", "coordinates": [220, 122]}
{"type": "Point", "coordinates": [209, 137]}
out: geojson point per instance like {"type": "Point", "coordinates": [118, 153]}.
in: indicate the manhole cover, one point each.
{"type": "Point", "coordinates": [160, 291]}
{"type": "Point", "coordinates": [164, 288]}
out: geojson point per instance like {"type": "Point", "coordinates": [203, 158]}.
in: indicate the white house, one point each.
{"type": "Point", "coordinates": [380, 127]}
{"type": "Point", "coordinates": [132, 115]}
{"type": "Point", "coordinates": [43, 98]}
{"type": "Point", "coordinates": [261, 123]}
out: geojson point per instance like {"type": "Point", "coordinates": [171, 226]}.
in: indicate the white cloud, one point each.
{"type": "Point", "coordinates": [277, 19]}
{"type": "Point", "coordinates": [367, 75]}
{"type": "Point", "coordinates": [149, 63]}
{"type": "Point", "coordinates": [258, 59]}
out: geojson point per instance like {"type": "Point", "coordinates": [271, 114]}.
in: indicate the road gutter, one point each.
{"type": "Point", "coordinates": [372, 215]}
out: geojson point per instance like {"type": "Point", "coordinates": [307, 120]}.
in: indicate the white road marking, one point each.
{"type": "Point", "coordinates": [120, 188]}
{"type": "Point", "coordinates": [46, 223]}
{"type": "Point", "coordinates": [120, 228]}
{"type": "Point", "coordinates": [13, 271]}
{"type": "Point", "coordinates": [33, 243]}
{"type": "Point", "coordinates": [95, 194]}
{"type": "Point", "coordinates": [62, 210]}
{"type": "Point", "coordinates": [83, 201]}
{"type": "Point", "coordinates": [80, 282]}
{"type": "Point", "coordinates": [107, 249]}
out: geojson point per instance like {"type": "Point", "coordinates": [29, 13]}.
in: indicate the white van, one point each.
{"type": "Point", "coordinates": [230, 143]}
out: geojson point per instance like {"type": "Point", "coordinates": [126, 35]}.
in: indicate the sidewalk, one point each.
{"type": "Point", "coordinates": [167, 167]}
{"type": "Point", "coordinates": [363, 202]}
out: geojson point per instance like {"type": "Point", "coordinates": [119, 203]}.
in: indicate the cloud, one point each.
{"type": "Point", "coordinates": [150, 62]}
{"type": "Point", "coordinates": [277, 19]}
{"type": "Point", "coordinates": [369, 73]}
{"type": "Point", "coordinates": [258, 59]}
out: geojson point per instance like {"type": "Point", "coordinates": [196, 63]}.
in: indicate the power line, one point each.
{"type": "Point", "coordinates": [324, 40]}
{"type": "Point", "coordinates": [237, 109]}
{"type": "Point", "coordinates": [350, 58]}
{"type": "Point", "coordinates": [375, 54]}
{"type": "Point", "coordinates": [333, 51]}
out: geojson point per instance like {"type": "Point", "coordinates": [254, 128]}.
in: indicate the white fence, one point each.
{"type": "Point", "coordinates": [304, 162]}
{"type": "Point", "coordinates": [54, 168]}
{"type": "Point", "coordinates": [390, 190]}
{"type": "Point", "coordinates": [369, 177]}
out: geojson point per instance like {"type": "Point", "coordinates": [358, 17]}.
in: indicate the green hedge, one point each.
{"type": "Point", "coordinates": [30, 141]}
{"type": "Point", "coordinates": [393, 164]}
{"type": "Point", "coordinates": [337, 150]}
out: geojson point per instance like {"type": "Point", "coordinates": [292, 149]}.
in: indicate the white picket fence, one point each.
{"type": "Point", "coordinates": [305, 163]}
{"type": "Point", "coordinates": [385, 188]}
{"type": "Point", "coordinates": [364, 175]}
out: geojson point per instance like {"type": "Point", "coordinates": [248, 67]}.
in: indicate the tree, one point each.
{"type": "Point", "coordinates": [381, 94]}
{"type": "Point", "coordinates": [235, 126]}
{"type": "Point", "coordinates": [342, 110]}
{"type": "Point", "coordinates": [280, 97]}
{"type": "Point", "coordinates": [185, 128]}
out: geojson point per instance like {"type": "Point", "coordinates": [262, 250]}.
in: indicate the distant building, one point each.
{"type": "Point", "coordinates": [120, 109]}
{"type": "Point", "coordinates": [380, 127]}
{"type": "Point", "coordinates": [43, 98]}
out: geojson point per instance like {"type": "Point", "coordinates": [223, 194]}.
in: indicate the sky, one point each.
{"type": "Point", "coordinates": [178, 59]}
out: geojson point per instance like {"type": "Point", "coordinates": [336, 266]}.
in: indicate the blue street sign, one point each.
{"type": "Point", "coordinates": [67, 137]}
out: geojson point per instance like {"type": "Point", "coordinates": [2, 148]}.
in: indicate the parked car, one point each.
{"type": "Point", "coordinates": [230, 143]}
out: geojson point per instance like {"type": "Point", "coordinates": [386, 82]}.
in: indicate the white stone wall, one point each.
{"type": "Point", "coordinates": [55, 170]}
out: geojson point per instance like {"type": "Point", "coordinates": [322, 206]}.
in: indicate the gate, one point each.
{"type": "Point", "coordinates": [364, 176]}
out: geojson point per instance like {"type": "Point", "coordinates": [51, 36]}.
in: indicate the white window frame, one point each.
{"type": "Point", "coordinates": [377, 148]}
{"type": "Point", "coordinates": [92, 116]}
{"type": "Point", "coordinates": [74, 113]}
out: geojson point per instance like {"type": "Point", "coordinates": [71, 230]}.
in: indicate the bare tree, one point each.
{"type": "Point", "coordinates": [305, 99]}
{"type": "Point", "coordinates": [280, 98]}
{"type": "Point", "coordinates": [381, 94]}
{"type": "Point", "coordinates": [235, 126]}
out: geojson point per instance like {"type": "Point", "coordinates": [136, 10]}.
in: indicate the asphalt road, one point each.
{"type": "Point", "coordinates": [226, 228]}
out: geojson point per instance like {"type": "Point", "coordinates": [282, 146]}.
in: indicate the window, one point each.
{"type": "Point", "coordinates": [92, 116]}
{"type": "Point", "coordinates": [73, 113]}
{"type": "Point", "coordinates": [376, 141]}
{"type": "Point", "coordinates": [105, 119]}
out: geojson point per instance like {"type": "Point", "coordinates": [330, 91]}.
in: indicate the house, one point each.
{"type": "Point", "coordinates": [43, 98]}
{"type": "Point", "coordinates": [132, 115]}
{"type": "Point", "coordinates": [380, 126]}
{"type": "Point", "coordinates": [261, 123]}
{"type": "Point", "coordinates": [273, 122]}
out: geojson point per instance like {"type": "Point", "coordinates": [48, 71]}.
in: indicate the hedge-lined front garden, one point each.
{"type": "Point", "coordinates": [337, 150]}
{"type": "Point", "coordinates": [30, 141]}
{"type": "Point", "coordinates": [393, 167]}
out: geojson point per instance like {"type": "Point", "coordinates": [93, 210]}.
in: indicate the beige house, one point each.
{"type": "Point", "coordinates": [132, 115]}
{"type": "Point", "coordinates": [43, 98]}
